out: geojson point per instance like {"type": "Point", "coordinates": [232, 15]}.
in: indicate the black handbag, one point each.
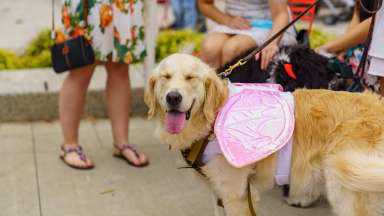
{"type": "Point", "coordinates": [72, 53]}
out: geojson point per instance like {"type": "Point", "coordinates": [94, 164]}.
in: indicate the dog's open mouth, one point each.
{"type": "Point", "coordinates": [175, 120]}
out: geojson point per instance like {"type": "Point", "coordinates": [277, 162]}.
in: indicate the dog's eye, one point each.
{"type": "Point", "coordinates": [166, 76]}
{"type": "Point", "coordinates": [189, 77]}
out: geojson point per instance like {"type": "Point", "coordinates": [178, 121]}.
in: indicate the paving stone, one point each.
{"type": "Point", "coordinates": [29, 180]}
{"type": "Point", "coordinates": [18, 182]}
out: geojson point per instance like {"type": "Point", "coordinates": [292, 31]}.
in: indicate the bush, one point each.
{"type": "Point", "coordinates": [37, 53]}
{"type": "Point", "coordinates": [169, 42]}
{"type": "Point", "coordinates": [9, 60]}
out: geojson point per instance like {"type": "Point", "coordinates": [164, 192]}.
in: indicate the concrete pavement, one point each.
{"type": "Point", "coordinates": [34, 182]}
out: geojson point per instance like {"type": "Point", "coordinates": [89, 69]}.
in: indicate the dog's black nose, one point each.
{"type": "Point", "coordinates": [174, 98]}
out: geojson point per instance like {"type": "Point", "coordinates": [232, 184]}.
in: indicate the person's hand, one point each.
{"type": "Point", "coordinates": [341, 55]}
{"type": "Point", "coordinates": [238, 23]}
{"type": "Point", "coordinates": [267, 55]}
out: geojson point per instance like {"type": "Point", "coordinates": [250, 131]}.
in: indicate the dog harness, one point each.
{"type": "Point", "coordinates": [256, 121]}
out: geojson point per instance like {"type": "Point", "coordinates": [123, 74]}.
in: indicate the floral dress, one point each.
{"type": "Point", "coordinates": [115, 28]}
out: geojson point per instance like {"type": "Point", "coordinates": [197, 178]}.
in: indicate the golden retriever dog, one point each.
{"type": "Point", "coordinates": [338, 146]}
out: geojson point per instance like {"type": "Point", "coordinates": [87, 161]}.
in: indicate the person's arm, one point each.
{"type": "Point", "coordinates": [355, 36]}
{"type": "Point", "coordinates": [280, 18]}
{"type": "Point", "coordinates": [208, 9]}
{"type": "Point", "coordinates": [354, 21]}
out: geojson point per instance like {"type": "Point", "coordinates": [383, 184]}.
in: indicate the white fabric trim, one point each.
{"type": "Point", "coordinates": [259, 35]}
{"type": "Point", "coordinates": [211, 150]}
{"type": "Point", "coordinates": [376, 67]}
{"type": "Point", "coordinates": [283, 167]}
{"type": "Point", "coordinates": [284, 157]}
{"type": "Point", "coordinates": [377, 49]}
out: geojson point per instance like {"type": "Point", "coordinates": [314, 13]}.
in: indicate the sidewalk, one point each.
{"type": "Point", "coordinates": [34, 182]}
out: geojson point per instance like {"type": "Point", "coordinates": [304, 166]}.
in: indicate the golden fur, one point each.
{"type": "Point", "coordinates": [338, 149]}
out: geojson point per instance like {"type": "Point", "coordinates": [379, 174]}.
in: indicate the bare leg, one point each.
{"type": "Point", "coordinates": [211, 48]}
{"type": "Point", "coordinates": [118, 96]}
{"type": "Point", "coordinates": [71, 106]}
{"type": "Point", "coordinates": [235, 46]}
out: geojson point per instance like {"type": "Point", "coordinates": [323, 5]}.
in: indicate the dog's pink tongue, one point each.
{"type": "Point", "coordinates": [174, 122]}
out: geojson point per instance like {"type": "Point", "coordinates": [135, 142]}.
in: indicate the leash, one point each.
{"type": "Point", "coordinates": [362, 66]}
{"type": "Point", "coordinates": [244, 60]}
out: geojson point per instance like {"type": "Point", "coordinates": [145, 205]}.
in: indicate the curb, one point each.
{"type": "Point", "coordinates": [32, 95]}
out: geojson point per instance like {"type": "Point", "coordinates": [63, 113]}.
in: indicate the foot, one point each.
{"type": "Point", "coordinates": [301, 202]}
{"type": "Point", "coordinates": [75, 157]}
{"type": "Point", "coordinates": [131, 155]}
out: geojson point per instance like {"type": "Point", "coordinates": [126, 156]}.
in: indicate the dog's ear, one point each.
{"type": "Point", "coordinates": [215, 96]}
{"type": "Point", "coordinates": [149, 96]}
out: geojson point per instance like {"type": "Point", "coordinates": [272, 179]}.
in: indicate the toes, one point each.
{"type": "Point", "coordinates": [301, 202]}
{"type": "Point", "coordinates": [130, 155]}
{"type": "Point", "coordinates": [74, 160]}
{"type": "Point", "coordinates": [89, 163]}
{"type": "Point", "coordinates": [143, 159]}
{"type": "Point", "coordinates": [137, 160]}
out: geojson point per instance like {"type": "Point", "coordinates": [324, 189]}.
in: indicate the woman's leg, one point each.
{"type": "Point", "coordinates": [118, 96]}
{"type": "Point", "coordinates": [71, 106]}
{"type": "Point", "coordinates": [235, 46]}
{"type": "Point", "coordinates": [211, 48]}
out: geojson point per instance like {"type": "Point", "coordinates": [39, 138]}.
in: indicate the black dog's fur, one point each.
{"type": "Point", "coordinates": [310, 68]}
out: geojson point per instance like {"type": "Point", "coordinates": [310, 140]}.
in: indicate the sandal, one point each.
{"type": "Point", "coordinates": [118, 152]}
{"type": "Point", "coordinates": [80, 153]}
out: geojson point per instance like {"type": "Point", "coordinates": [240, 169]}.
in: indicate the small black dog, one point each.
{"type": "Point", "coordinates": [294, 67]}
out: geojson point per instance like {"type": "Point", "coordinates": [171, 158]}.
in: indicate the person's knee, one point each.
{"type": "Point", "coordinates": [210, 49]}
{"type": "Point", "coordinates": [231, 50]}
{"type": "Point", "coordinates": [80, 77]}
{"type": "Point", "coordinates": [118, 72]}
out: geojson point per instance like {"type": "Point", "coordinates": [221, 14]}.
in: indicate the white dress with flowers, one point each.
{"type": "Point", "coordinates": [115, 27]}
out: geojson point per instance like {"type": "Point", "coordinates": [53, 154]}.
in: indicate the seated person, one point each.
{"type": "Point", "coordinates": [244, 25]}
{"type": "Point", "coordinates": [356, 33]}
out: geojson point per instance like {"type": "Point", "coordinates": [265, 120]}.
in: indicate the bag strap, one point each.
{"type": "Point", "coordinates": [243, 61]}
{"type": "Point", "coordinates": [363, 62]}
{"type": "Point", "coordinates": [85, 16]}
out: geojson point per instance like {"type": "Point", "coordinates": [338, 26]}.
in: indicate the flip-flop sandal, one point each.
{"type": "Point", "coordinates": [118, 153]}
{"type": "Point", "coordinates": [79, 151]}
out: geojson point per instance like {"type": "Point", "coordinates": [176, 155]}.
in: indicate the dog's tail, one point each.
{"type": "Point", "coordinates": [358, 171]}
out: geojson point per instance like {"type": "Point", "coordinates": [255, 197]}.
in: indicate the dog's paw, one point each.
{"type": "Point", "coordinates": [301, 202]}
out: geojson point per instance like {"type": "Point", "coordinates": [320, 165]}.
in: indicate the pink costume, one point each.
{"type": "Point", "coordinates": [256, 121]}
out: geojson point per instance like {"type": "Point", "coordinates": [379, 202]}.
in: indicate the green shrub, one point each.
{"type": "Point", "coordinates": [9, 60]}
{"type": "Point", "coordinates": [169, 42]}
{"type": "Point", "coordinates": [37, 53]}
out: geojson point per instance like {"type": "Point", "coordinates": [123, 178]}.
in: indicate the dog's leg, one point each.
{"type": "Point", "coordinates": [230, 184]}
{"type": "Point", "coordinates": [306, 185]}
{"type": "Point", "coordinates": [219, 211]}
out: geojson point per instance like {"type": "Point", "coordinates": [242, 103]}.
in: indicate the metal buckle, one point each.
{"type": "Point", "coordinates": [229, 70]}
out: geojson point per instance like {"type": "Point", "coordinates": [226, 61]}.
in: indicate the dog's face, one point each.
{"type": "Point", "coordinates": [182, 88]}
